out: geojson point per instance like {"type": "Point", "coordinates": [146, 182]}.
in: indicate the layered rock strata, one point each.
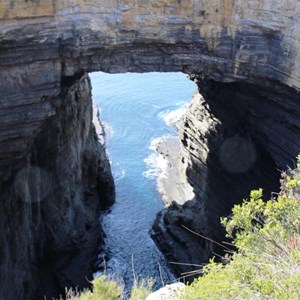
{"type": "Point", "coordinates": [246, 57]}
{"type": "Point", "coordinates": [50, 206]}
{"type": "Point", "coordinates": [229, 148]}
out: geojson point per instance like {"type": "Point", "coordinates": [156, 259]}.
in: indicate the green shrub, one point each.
{"type": "Point", "coordinates": [141, 289]}
{"type": "Point", "coordinates": [102, 290]}
{"type": "Point", "coordinates": [266, 264]}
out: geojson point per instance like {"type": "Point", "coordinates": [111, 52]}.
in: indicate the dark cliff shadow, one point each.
{"type": "Point", "coordinates": [256, 136]}
{"type": "Point", "coordinates": [49, 218]}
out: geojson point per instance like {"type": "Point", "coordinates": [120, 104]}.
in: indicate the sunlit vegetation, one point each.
{"type": "Point", "coordinates": [266, 264]}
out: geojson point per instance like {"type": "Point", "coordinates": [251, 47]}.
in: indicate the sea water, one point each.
{"type": "Point", "coordinates": [136, 111]}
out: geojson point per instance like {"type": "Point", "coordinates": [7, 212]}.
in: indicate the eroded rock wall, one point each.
{"type": "Point", "coordinates": [230, 146]}
{"type": "Point", "coordinates": [226, 41]}
{"type": "Point", "coordinates": [235, 40]}
{"type": "Point", "coordinates": [242, 50]}
{"type": "Point", "coordinates": [50, 206]}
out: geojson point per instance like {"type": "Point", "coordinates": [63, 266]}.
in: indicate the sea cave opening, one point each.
{"type": "Point", "coordinates": [139, 113]}
{"type": "Point", "coordinates": [146, 129]}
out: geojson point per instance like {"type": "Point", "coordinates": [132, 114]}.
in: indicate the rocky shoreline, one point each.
{"type": "Point", "coordinates": [172, 183]}
{"type": "Point", "coordinates": [181, 208]}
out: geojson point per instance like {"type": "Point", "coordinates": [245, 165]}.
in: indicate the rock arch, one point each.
{"type": "Point", "coordinates": [244, 56]}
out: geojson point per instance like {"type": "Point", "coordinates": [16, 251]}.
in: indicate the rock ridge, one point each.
{"type": "Point", "coordinates": [245, 57]}
{"type": "Point", "coordinates": [229, 148]}
{"type": "Point", "coordinates": [50, 207]}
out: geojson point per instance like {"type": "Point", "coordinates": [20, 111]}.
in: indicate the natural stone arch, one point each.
{"type": "Point", "coordinates": [233, 48]}
{"type": "Point", "coordinates": [44, 42]}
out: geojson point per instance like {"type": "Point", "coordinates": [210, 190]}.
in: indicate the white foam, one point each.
{"type": "Point", "coordinates": [154, 143]}
{"type": "Point", "coordinates": [109, 132]}
{"type": "Point", "coordinates": [155, 106]}
{"type": "Point", "coordinates": [97, 123]}
{"type": "Point", "coordinates": [173, 117]}
{"type": "Point", "coordinates": [118, 173]}
{"type": "Point", "coordinates": [156, 163]}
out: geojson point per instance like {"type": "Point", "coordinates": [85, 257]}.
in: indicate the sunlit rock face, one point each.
{"type": "Point", "coordinates": [244, 56]}
{"type": "Point", "coordinates": [42, 42]}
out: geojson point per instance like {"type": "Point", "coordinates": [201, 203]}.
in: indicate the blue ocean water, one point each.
{"type": "Point", "coordinates": [135, 109]}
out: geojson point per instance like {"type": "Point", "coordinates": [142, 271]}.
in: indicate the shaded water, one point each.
{"type": "Point", "coordinates": [136, 109]}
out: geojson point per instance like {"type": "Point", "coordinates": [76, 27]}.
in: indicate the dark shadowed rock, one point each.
{"type": "Point", "coordinates": [246, 60]}
{"type": "Point", "coordinates": [50, 206]}
{"type": "Point", "coordinates": [230, 146]}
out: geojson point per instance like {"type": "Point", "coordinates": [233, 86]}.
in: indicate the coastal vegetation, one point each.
{"type": "Point", "coordinates": [266, 262]}
{"type": "Point", "coordinates": [105, 289]}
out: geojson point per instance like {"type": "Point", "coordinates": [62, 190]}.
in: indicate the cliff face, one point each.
{"type": "Point", "coordinates": [220, 39]}
{"type": "Point", "coordinates": [50, 206]}
{"type": "Point", "coordinates": [229, 148]}
{"type": "Point", "coordinates": [223, 41]}
{"type": "Point", "coordinates": [245, 56]}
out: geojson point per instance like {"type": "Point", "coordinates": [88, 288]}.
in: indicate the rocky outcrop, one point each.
{"type": "Point", "coordinates": [172, 291]}
{"type": "Point", "coordinates": [220, 39]}
{"type": "Point", "coordinates": [245, 55]}
{"type": "Point", "coordinates": [229, 148]}
{"type": "Point", "coordinates": [50, 205]}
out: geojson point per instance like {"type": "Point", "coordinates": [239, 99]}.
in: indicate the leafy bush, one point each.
{"type": "Point", "coordinates": [102, 290]}
{"type": "Point", "coordinates": [141, 289]}
{"type": "Point", "coordinates": [266, 264]}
